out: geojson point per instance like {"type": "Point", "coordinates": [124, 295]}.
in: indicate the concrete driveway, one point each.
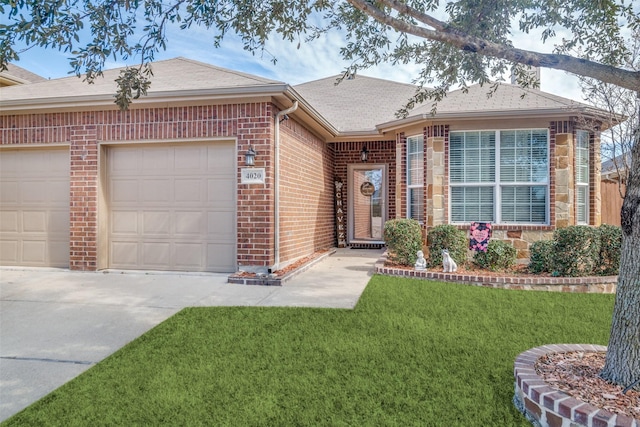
{"type": "Point", "coordinates": [55, 324]}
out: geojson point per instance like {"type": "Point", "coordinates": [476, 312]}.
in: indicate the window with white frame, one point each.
{"type": "Point", "coordinates": [499, 176]}
{"type": "Point", "coordinates": [415, 178]}
{"type": "Point", "coordinates": [582, 177]}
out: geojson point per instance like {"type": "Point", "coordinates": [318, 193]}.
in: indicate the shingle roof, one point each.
{"type": "Point", "coordinates": [20, 75]}
{"type": "Point", "coordinates": [507, 97]}
{"type": "Point", "coordinates": [178, 74]}
{"type": "Point", "coordinates": [356, 104]}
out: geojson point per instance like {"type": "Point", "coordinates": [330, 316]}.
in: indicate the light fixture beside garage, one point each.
{"type": "Point", "coordinates": [250, 156]}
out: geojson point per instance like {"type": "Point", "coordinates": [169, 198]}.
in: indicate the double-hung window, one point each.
{"type": "Point", "coordinates": [415, 178]}
{"type": "Point", "coordinates": [499, 176]}
{"type": "Point", "coordinates": [582, 177]}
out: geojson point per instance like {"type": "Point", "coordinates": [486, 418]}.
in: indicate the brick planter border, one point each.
{"type": "Point", "coordinates": [591, 284]}
{"type": "Point", "coordinates": [548, 407]}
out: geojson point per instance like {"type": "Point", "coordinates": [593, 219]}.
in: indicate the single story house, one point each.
{"type": "Point", "coordinates": [217, 170]}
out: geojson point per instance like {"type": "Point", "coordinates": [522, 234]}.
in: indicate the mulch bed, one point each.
{"type": "Point", "coordinates": [576, 374]}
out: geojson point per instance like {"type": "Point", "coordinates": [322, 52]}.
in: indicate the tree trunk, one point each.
{"type": "Point", "coordinates": [622, 364]}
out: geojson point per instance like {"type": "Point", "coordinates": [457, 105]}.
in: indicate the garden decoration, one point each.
{"type": "Point", "coordinates": [421, 263]}
{"type": "Point", "coordinates": [448, 263]}
{"type": "Point", "coordinates": [480, 235]}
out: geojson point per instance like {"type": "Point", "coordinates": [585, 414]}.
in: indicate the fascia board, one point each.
{"type": "Point", "coordinates": [165, 97]}
{"type": "Point", "coordinates": [474, 115]}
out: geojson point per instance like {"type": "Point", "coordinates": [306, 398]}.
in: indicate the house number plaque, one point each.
{"type": "Point", "coordinates": [252, 176]}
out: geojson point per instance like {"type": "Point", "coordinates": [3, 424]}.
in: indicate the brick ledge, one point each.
{"type": "Point", "coordinates": [278, 280]}
{"type": "Point", "coordinates": [590, 284]}
{"type": "Point", "coordinates": [549, 407]}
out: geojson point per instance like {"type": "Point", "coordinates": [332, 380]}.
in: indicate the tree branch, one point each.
{"type": "Point", "coordinates": [583, 67]}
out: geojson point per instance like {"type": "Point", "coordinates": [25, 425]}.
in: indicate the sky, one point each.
{"type": "Point", "coordinates": [294, 65]}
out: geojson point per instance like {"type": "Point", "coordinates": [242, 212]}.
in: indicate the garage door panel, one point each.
{"type": "Point", "coordinates": [9, 222]}
{"type": "Point", "coordinates": [34, 251]}
{"type": "Point", "coordinates": [122, 160]}
{"type": "Point", "coordinates": [188, 224]}
{"type": "Point", "coordinates": [178, 187]}
{"type": "Point", "coordinates": [221, 159]}
{"type": "Point", "coordinates": [59, 251]}
{"type": "Point", "coordinates": [221, 225]}
{"type": "Point", "coordinates": [34, 192]}
{"type": "Point", "coordinates": [9, 191]}
{"type": "Point", "coordinates": [155, 159]}
{"type": "Point", "coordinates": [156, 224]}
{"type": "Point", "coordinates": [34, 222]}
{"type": "Point", "coordinates": [9, 251]}
{"type": "Point", "coordinates": [124, 254]}
{"type": "Point", "coordinates": [220, 254]}
{"type": "Point", "coordinates": [220, 190]}
{"type": "Point", "coordinates": [188, 190]}
{"type": "Point", "coordinates": [34, 207]}
{"type": "Point", "coordinates": [156, 255]}
{"type": "Point", "coordinates": [188, 158]}
{"type": "Point", "coordinates": [123, 190]}
{"type": "Point", "coordinates": [59, 222]}
{"type": "Point", "coordinates": [124, 222]}
{"type": "Point", "coordinates": [156, 190]}
{"type": "Point", "coordinates": [188, 256]}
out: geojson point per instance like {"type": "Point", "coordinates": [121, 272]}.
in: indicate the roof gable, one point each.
{"type": "Point", "coordinates": [507, 97]}
{"type": "Point", "coordinates": [357, 104]}
{"type": "Point", "coordinates": [15, 75]}
{"type": "Point", "coordinates": [173, 75]}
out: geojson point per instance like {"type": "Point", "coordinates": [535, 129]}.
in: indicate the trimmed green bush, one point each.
{"type": "Point", "coordinates": [541, 257]}
{"type": "Point", "coordinates": [610, 247]}
{"type": "Point", "coordinates": [404, 239]}
{"type": "Point", "coordinates": [576, 250]}
{"type": "Point", "coordinates": [446, 237]}
{"type": "Point", "coordinates": [499, 256]}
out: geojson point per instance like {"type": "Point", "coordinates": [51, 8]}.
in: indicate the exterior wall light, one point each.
{"type": "Point", "coordinates": [364, 154]}
{"type": "Point", "coordinates": [250, 156]}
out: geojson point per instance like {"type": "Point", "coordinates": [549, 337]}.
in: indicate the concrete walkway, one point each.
{"type": "Point", "coordinates": [55, 324]}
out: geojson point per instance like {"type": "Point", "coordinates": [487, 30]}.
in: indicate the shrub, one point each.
{"type": "Point", "coordinates": [576, 250]}
{"type": "Point", "coordinates": [499, 256]}
{"type": "Point", "coordinates": [446, 237]}
{"type": "Point", "coordinates": [541, 257]}
{"type": "Point", "coordinates": [404, 239]}
{"type": "Point", "coordinates": [610, 246]}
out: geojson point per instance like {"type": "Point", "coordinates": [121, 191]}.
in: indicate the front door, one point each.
{"type": "Point", "coordinates": [367, 203]}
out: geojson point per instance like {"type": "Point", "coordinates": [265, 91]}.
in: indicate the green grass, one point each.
{"type": "Point", "coordinates": [411, 353]}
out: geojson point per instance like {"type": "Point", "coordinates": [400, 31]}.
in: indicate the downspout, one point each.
{"type": "Point", "coordinates": [276, 182]}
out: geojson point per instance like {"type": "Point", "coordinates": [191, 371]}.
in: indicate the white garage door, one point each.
{"type": "Point", "coordinates": [172, 207]}
{"type": "Point", "coordinates": [34, 207]}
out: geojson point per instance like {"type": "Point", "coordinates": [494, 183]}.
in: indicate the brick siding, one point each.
{"type": "Point", "coordinates": [249, 124]}
{"type": "Point", "coordinates": [380, 152]}
{"type": "Point", "coordinates": [307, 219]}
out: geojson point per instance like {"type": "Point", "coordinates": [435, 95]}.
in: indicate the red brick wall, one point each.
{"type": "Point", "coordinates": [83, 226]}
{"type": "Point", "coordinates": [380, 152]}
{"type": "Point", "coordinates": [307, 219]}
{"type": "Point", "coordinates": [250, 123]}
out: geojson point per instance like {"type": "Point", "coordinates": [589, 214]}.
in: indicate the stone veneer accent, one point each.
{"type": "Point", "coordinates": [549, 407]}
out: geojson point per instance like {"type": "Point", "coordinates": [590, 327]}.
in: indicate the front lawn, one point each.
{"type": "Point", "coordinates": [411, 353]}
